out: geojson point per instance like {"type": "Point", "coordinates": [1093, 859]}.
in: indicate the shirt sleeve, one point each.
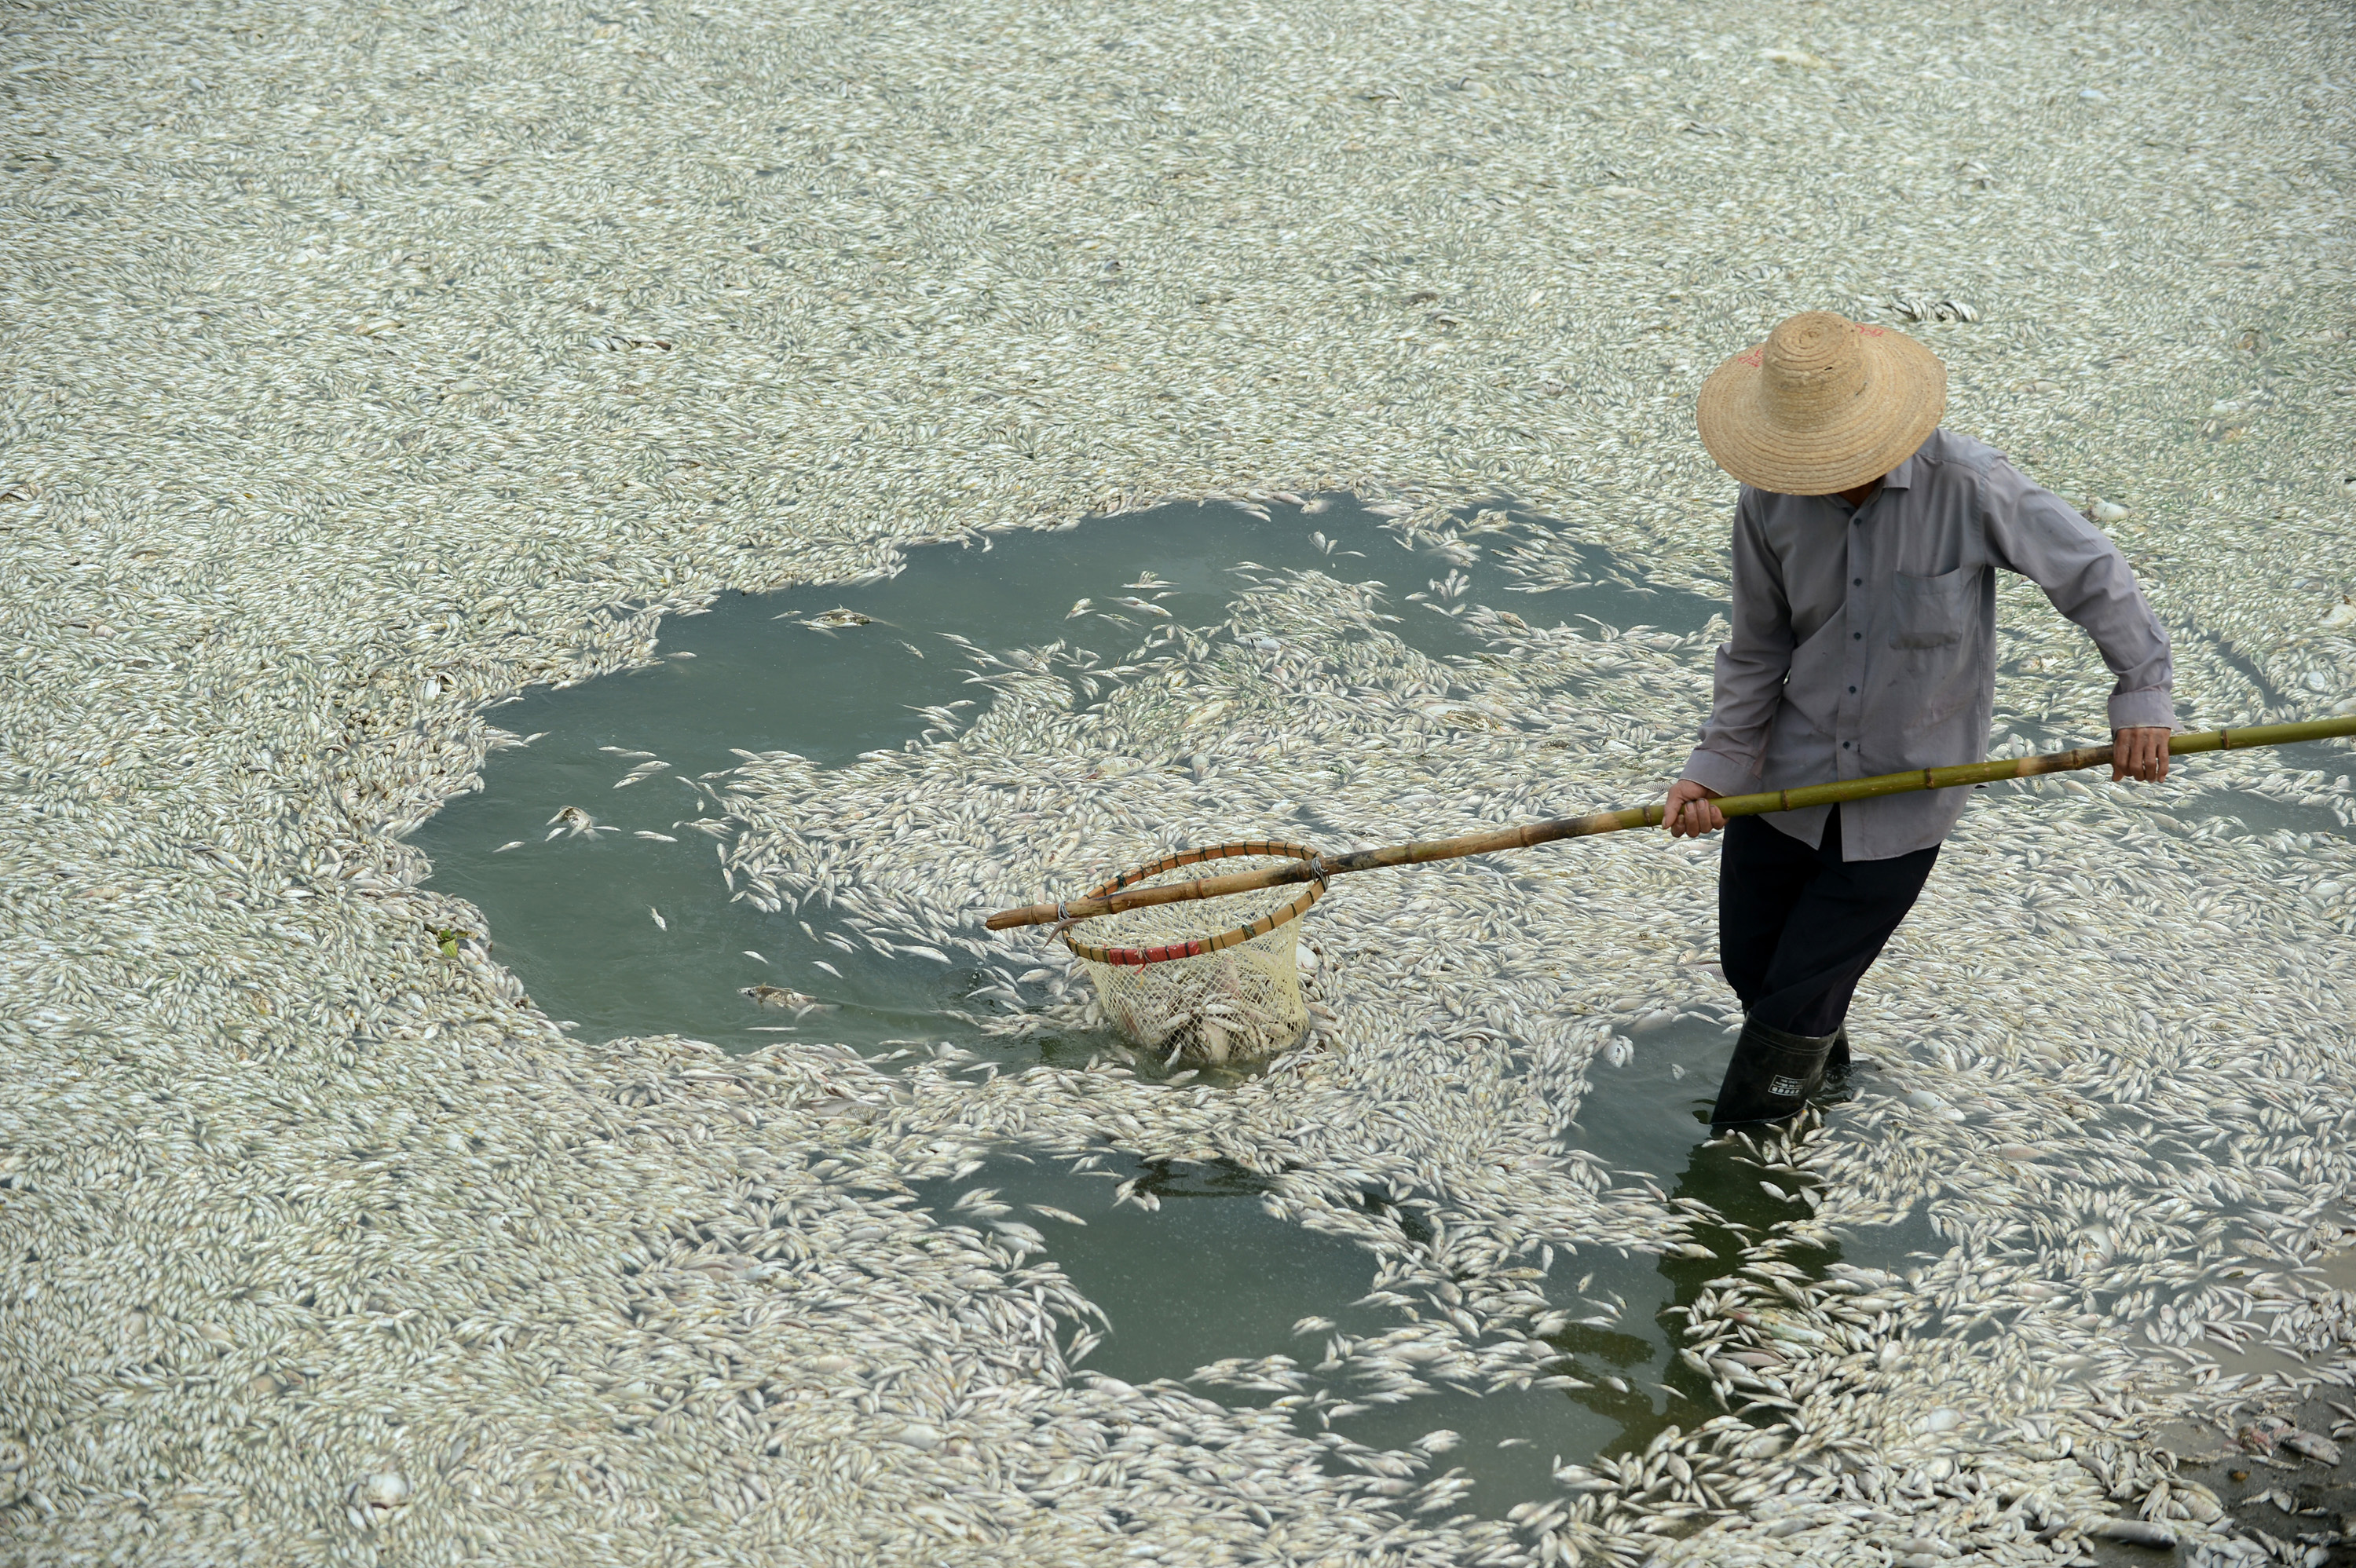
{"type": "Point", "coordinates": [2034, 532]}
{"type": "Point", "coordinates": [1751, 665]}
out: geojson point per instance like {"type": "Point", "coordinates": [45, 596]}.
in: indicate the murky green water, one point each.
{"type": "Point", "coordinates": [1211, 1274]}
{"type": "Point", "coordinates": [576, 919]}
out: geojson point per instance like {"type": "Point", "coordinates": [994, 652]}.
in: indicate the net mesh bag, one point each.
{"type": "Point", "coordinates": [1209, 1000]}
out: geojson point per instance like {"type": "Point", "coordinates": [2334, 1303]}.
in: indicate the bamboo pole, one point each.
{"type": "Point", "coordinates": [1547, 832]}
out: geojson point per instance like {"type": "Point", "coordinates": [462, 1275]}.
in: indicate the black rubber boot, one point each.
{"type": "Point", "coordinates": [1837, 1060]}
{"type": "Point", "coordinates": [1772, 1075]}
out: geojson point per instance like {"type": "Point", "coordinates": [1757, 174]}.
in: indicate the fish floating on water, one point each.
{"type": "Point", "coordinates": [289, 1160]}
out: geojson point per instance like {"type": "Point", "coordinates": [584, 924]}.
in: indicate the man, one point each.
{"type": "Point", "coordinates": [1864, 641]}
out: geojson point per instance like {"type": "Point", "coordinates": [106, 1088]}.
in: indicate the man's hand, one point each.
{"type": "Point", "coordinates": [1688, 812]}
{"type": "Point", "coordinates": [2138, 754]}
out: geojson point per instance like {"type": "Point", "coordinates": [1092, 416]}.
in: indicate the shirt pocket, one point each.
{"type": "Point", "coordinates": [1932, 612]}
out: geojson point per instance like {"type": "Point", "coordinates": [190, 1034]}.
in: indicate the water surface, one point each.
{"type": "Point", "coordinates": [632, 931]}
{"type": "Point", "coordinates": [1210, 1274]}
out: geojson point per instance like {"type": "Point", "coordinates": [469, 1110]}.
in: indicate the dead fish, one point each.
{"type": "Point", "coordinates": [2261, 1435]}
{"type": "Point", "coordinates": [2137, 1532]}
{"type": "Point", "coordinates": [577, 823]}
{"type": "Point", "coordinates": [2311, 1446]}
{"type": "Point", "coordinates": [836, 619]}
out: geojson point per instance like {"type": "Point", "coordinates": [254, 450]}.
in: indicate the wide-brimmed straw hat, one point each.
{"type": "Point", "coordinates": [1824, 405]}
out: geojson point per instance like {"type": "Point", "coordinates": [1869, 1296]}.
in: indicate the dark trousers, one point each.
{"type": "Point", "coordinates": [1797, 928]}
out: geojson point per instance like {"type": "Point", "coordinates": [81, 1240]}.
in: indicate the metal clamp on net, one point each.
{"type": "Point", "coordinates": [1233, 996]}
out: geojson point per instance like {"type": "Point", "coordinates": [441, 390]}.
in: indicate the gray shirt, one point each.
{"type": "Point", "coordinates": [1864, 639]}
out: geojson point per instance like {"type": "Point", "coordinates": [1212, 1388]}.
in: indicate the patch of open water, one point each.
{"type": "Point", "coordinates": [577, 920]}
{"type": "Point", "coordinates": [1212, 1276]}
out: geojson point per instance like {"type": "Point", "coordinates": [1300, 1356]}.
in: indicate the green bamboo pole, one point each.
{"type": "Point", "coordinates": [1556, 827]}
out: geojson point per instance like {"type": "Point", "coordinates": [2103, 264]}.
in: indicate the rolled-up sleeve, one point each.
{"type": "Point", "coordinates": [1751, 665]}
{"type": "Point", "coordinates": [2034, 532]}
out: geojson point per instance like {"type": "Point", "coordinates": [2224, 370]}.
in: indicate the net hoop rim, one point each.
{"type": "Point", "coordinates": [1138, 957]}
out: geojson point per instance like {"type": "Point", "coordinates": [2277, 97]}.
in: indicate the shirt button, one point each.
{"type": "Point", "coordinates": [1857, 581]}
{"type": "Point", "coordinates": [1843, 745]}
{"type": "Point", "coordinates": [1857, 635]}
{"type": "Point", "coordinates": [1852, 691]}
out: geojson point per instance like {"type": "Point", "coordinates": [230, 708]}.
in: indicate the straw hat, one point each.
{"type": "Point", "coordinates": [1824, 405]}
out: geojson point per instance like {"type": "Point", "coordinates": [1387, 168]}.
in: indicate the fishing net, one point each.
{"type": "Point", "coordinates": [1209, 1000]}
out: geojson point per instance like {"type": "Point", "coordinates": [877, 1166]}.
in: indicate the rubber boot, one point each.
{"type": "Point", "coordinates": [1836, 1064]}
{"type": "Point", "coordinates": [1772, 1075]}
